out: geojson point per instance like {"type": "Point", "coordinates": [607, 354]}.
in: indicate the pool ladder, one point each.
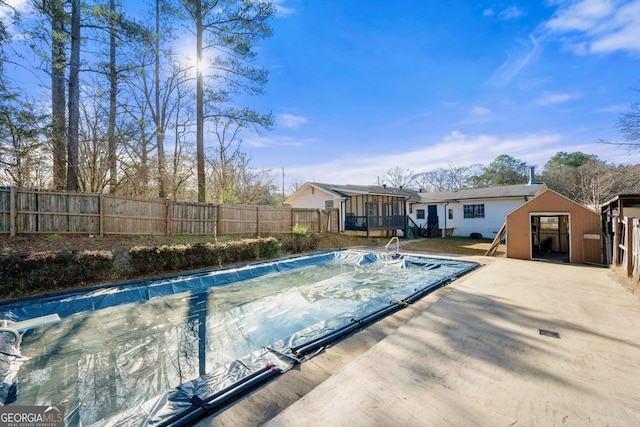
{"type": "Point", "coordinates": [397, 244]}
{"type": "Point", "coordinates": [5, 327]}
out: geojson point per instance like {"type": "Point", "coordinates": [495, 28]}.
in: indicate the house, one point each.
{"type": "Point", "coordinates": [552, 227]}
{"type": "Point", "coordinates": [371, 211]}
{"type": "Point", "coordinates": [463, 212]}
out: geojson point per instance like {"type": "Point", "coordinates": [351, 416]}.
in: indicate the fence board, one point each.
{"type": "Point", "coordinates": [43, 211]}
{"type": "Point", "coordinates": [309, 218]}
{"type": "Point", "coordinates": [134, 216]}
{"type": "Point", "coordinates": [237, 219]}
{"type": "Point", "coordinates": [274, 220]}
{"type": "Point", "coordinates": [193, 218]}
{"type": "Point", "coordinates": [56, 212]}
{"type": "Point", "coordinates": [5, 210]}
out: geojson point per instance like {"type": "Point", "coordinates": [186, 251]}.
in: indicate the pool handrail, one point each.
{"type": "Point", "coordinates": [397, 244]}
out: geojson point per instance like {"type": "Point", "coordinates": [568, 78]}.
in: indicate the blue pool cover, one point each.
{"type": "Point", "coordinates": [166, 351]}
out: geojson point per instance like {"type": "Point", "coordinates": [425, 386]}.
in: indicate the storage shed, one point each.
{"type": "Point", "coordinates": [552, 227]}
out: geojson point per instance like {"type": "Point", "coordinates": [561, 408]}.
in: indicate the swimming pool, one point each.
{"type": "Point", "coordinates": [155, 351]}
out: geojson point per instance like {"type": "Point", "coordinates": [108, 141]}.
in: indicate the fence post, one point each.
{"type": "Point", "coordinates": [12, 212]}
{"type": "Point", "coordinates": [258, 220]}
{"type": "Point", "coordinates": [629, 244]}
{"type": "Point", "coordinates": [168, 207]}
{"type": "Point", "coordinates": [101, 220]}
{"type": "Point", "coordinates": [616, 241]}
{"type": "Point", "coordinates": [217, 220]}
{"type": "Point", "coordinates": [319, 221]}
{"type": "Point", "coordinates": [635, 249]}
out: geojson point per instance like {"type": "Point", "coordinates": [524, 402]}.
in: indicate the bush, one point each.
{"type": "Point", "coordinates": [298, 243]}
{"type": "Point", "coordinates": [187, 257]}
{"type": "Point", "coordinates": [299, 231]}
{"type": "Point", "coordinates": [48, 271]}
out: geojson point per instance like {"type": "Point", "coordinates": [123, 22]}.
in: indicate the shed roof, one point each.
{"type": "Point", "coordinates": [499, 192]}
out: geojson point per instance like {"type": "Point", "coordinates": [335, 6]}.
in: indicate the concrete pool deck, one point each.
{"type": "Point", "coordinates": [472, 354]}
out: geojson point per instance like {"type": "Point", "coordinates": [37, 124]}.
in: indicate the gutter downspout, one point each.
{"type": "Point", "coordinates": [444, 232]}
{"type": "Point", "coordinates": [366, 211]}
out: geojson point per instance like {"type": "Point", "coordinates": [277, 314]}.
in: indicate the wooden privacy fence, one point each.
{"type": "Point", "coordinates": [37, 211]}
{"type": "Point", "coordinates": [626, 245]}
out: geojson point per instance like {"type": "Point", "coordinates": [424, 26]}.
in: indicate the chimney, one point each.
{"type": "Point", "coordinates": [532, 175]}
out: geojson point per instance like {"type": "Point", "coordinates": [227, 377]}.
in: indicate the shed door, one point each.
{"type": "Point", "coordinates": [550, 237]}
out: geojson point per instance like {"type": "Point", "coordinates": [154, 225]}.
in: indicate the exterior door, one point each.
{"type": "Point", "coordinates": [432, 221]}
{"type": "Point", "coordinates": [550, 237]}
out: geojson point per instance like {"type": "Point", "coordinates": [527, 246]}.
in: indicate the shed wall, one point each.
{"type": "Point", "coordinates": [581, 221]}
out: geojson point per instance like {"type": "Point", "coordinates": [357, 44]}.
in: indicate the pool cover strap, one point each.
{"type": "Point", "coordinates": [200, 407]}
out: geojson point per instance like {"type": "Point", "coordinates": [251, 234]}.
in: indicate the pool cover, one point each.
{"type": "Point", "coordinates": [166, 351]}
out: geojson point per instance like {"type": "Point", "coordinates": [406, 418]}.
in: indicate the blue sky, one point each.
{"type": "Point", "coordinates": [360, 87]}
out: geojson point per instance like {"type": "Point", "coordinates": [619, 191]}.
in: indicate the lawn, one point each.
{"type": "Point", "coordinates": [454, 245]}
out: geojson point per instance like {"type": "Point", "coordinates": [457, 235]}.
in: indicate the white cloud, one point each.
{"type": "Point", "coordinates": [282, 10]}
{"type": "Point", "coordinates": [455, 147]}
{"type": "Point", "coordinates": [618, 108]}
{"type": "Point", "coordinates": [256, 141]}
{"type": "Point", "coordinates": [506, 14]}
{"type": "Point", "coordinates": [512, 12]}
{"type": "Point", "coordinates": [290, 121]}
{"type": "Point", "coordinates": [480, 111]}
{"type": "Point", "coordinates": [517, 60]}
{"type": "Point", "coordinates": [555, 98]}
{"type": "Point", "coordinates": [9, 7]}
{"type": "Point", "coordinates": [597, 26]}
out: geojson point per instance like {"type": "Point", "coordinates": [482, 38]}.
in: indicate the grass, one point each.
{"type": "Point", "coordinates": [454, 245]}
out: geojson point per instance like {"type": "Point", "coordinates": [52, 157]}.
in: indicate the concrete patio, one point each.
{"type": "Point", "coordinates": [473, 354]}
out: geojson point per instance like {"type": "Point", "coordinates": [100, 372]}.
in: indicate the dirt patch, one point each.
{"type": "Point", "coordinates": [628, 282]}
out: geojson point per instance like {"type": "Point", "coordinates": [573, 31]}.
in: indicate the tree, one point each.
{"type": "Point", "coordinates": [54, 10]}
{"type": "Point", "coordinates": [629, 127]}
{"type": "Point", "coordinates": [231, 28]}
{"type": "Point", "coordinates": [10, 16]}
{"type": "Point", "coordinates": [399, 178]}
{"type": "Point", "coordinates": [595, 183]}
{"type": "Point", "coordinates": [21, 144]}
{"type": "Point", "coordinates": [562, 158]}
{"type": "Point", "coordinates": [560, 172]}
{"type": "Point", "coordinates": [451, 178]}
{"type": "Point", "coordinates": [504, 170]}
{"type": "Point", "coordinates": [73, 144]}
{"type": "Point", "coordinates": [231, 175]}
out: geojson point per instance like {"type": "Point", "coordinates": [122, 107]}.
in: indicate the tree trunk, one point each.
{"type": "Point", "coordinates": [74, 99]}
{"type": "Point", "coordinates": [113, 94]}
{"type": "Point", "coordinates": [58, 98]}
{"type": "Point", "coordinates": [162, 178]}
{"type": "Point", "coordinates": [200, 106]}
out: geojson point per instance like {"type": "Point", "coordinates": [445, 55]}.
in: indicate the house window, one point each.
{"type": "Point", "coordinates": [450, 213]}
{"type": "Point", "coordinates": [410, 209]}
{"type": "Point", "coordinates": [474, 211]}
{"type": "Point", "coordinates": [328, 204]}
{"type": "Point", "coordinates": [420, 213]}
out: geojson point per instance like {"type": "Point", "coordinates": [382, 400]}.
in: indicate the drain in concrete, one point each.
{"type": "Point", "coordinates": [547, 333]}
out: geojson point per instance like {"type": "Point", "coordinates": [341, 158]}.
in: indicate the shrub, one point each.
{"type": "Point", "coordinates": [47, 271]}
{"type": "Point", "coordinates": [299, 231]}
{"type": "Point", "coordinates": [186, 257]}
{"type": "Point", "coordinates": [304, 243]}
